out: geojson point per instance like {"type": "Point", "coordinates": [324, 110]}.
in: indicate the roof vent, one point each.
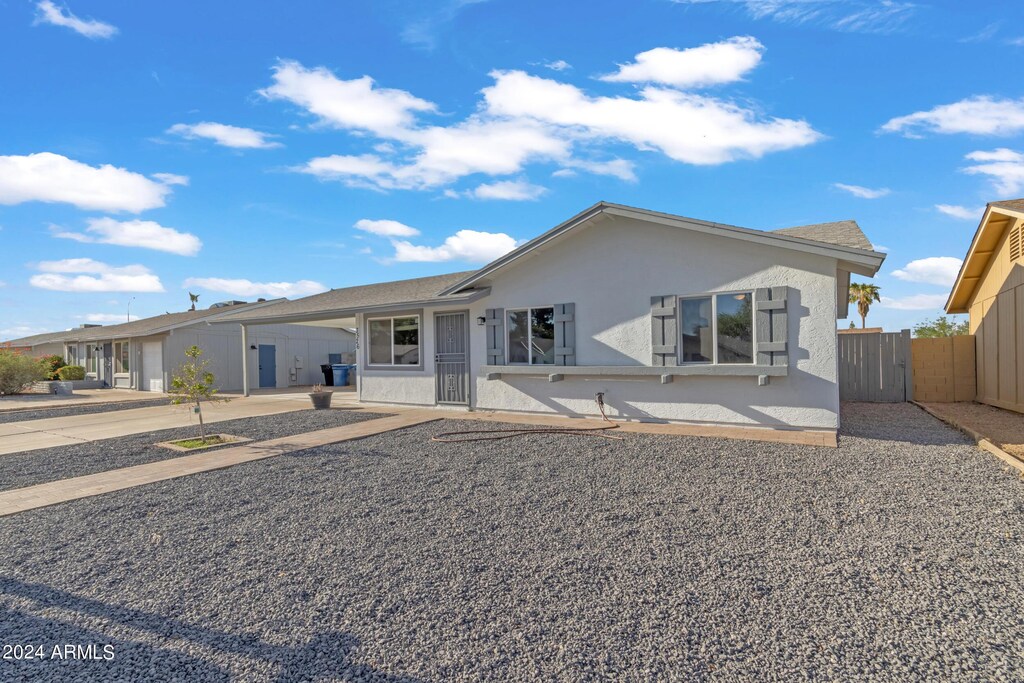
{"type": "Point", "coordinates": [223, 304]}
{"type": "Point", "coordinates": [1015, 242]}
{"type": "Point", "coordinates": [85, 326]}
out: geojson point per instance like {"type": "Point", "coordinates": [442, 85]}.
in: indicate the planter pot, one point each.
{"type": "Point", "coordinates": [321, 401]}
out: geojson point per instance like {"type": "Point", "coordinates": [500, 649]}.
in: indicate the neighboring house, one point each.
{"type": "Point", "coordinates": [143, 354]}
{"type": "Point", "coordinates": [670, 318]}
{"type": "Point", "coordinates": [990, 287]}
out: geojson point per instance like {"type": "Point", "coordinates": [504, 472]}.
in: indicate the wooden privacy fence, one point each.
{"type": "Point", "coordinates": [875, 366]}
{"type": "Point", "coordinates": [944, 369]}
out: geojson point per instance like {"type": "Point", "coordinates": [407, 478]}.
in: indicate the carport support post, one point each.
{"type": "Point", "coordinates": [245, 360]}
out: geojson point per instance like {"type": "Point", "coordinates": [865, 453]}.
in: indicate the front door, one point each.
{"type": "Point", "coordinates": [451, 358]}
{"type": "Point", "coordinates": [108, 364]}
{"type": "Point", "coordinates": [268, 365]}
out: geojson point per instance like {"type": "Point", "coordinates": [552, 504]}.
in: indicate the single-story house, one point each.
{"type": "Point", "coordinates": [668, 318]}
{"type": "Point", "coordinates": [990, 288]}
{"type": "Point", "coordinates": [143, 354]}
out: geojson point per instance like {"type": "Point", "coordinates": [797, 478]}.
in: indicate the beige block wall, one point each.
{"type": "Point", "coordinates": [944, 369]}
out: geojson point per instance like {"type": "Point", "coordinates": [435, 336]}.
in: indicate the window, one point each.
{"type": "Point", "coordinates": [531, 336]}
{"type": "Point", "coordinates": [121, 357]}
{"type": "Point", "coordinates": [72, 354]}
{"type": "Point", "coordinates": [394, 341]}
{"type": "Point", "coordinates": [717, 329]}
{"type": "Point", "coordinates": [90, 358]}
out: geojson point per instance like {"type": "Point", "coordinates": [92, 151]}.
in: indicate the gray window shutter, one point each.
{"type": "Point", "coordinates": [495, 321]}
{"type": "Point", "coordinates": [663, 330]}
{"type": "Point", "coordinates": [772, 324]}
{"type": "Point", "coordinates": [565, 334]}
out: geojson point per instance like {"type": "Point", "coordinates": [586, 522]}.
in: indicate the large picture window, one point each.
{"type": "Point", "coordinates": [394, 341]}
{"type": "Point", "coordinates": [122, 354]}
{"type": "Point", "coordinates": [717, 328]}
{"type": "Point", "coordinates": [90, 358]}
{"type": "Point", "coordinates": [531, 336]}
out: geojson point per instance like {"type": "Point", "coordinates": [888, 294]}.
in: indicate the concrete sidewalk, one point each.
{"type": "Point", "coordinates": [81, 397]}
{"type": "Point", "coordinates": [17, 437]}
{"type": "Point", "coordinates": [63, 490]}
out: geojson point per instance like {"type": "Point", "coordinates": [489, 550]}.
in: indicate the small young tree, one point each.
{"type": "Point", "coordinates": [192, 384]}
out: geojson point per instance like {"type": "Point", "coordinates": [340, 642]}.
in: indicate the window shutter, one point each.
{"type": "Point", "coordinates": [565, 334]}
{"type": "Point", "coordinates": [495, 321]}
{"type": "Point", "coordinates": [772, 324]}
{"type": "Point", "coordinates": [663, 330]}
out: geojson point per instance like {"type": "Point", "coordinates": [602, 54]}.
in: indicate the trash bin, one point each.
{"type": "Point", "coordinates": [328, 375]}
{"type": "Point", "coordinates": [340, 374]}
{"type": "Point", "coordinates": [352, 374]}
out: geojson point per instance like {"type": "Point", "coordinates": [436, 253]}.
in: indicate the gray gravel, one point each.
{"type": "Point", "coordinates": [894, 558]}
{"type": "Point", "coordinates": [67, 411]}
{"type": "Point", "coordinates": [50, 464]}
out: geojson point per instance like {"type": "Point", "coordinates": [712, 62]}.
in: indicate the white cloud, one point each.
{"type": "Point", "coordinates": [934, 270]}
{"type": "Point", "coordinates": [48, 13]}
{"type": "Point", "coordinates": [248, 288]}
{"type": "Point", "coordinates": [523, 119]}
{"type": "Point", "coordinates": [170, 178]}
{"type": "Point", "coordinates": [225, 135]}
{"type": "Point", "coordinates": [87, 275]}
{"type": "Point", "coordinates": [862, 192]}
{"type": "Point", "coordinates": [1004, 167]}
{"type": "Point", "coordinates": [709, 64]}
{"type": "Point", "coordinates": [136, 233]}
{"type": "Point", "coordinates": [514, 190]}
{"type": "Point", "coordinates": [107, 318]}
{"type": "Point", "coordinates": [979, 115]}
{"type": "Point", "coordinates": [963, 212]}
{"type": "Point", "coordinates": [386, 228]}
{"type": "Point", "coordinates": [686, 127]}
{"type": "Point", "coordinates": [48, 177]}
{"type": "Point", "coordinates": [855, 16]}
{"type": "Point", "coordinates": [355, 104]}
{"type": "Point", "coordinates": [558, 65]}
{"type": "Point", "coordinates": [915, 302]}
{"type": "Point", "coordinates": [465, 245]}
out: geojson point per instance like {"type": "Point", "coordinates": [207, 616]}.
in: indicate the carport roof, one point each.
{"type": "Point", "coordinates": [159, 323]}
{"type": "Point", "coordinates": [347, 301]}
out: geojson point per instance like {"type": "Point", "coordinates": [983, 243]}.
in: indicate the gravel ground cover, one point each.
{"type": "Point", "coordinates": [68, 411]}
{"type": "Point", "coordinates": [893, 558]}
{"type": "Point", "coordinates": [50, 464]}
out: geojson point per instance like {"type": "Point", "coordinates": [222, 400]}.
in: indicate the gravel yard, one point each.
{"type": "Point", "coordinates": [50, 464]}
{"type": "Point", "coordinates": [895, 557]}
{"type": "Point", "coordinates": [87, 409]}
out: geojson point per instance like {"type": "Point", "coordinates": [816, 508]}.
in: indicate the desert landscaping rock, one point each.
{"type": "Point", "coordinates": [18, 470]}
{"type": "Point", "coordinates": [893, 558]}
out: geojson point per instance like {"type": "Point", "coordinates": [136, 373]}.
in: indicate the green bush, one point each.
{"type": "Point", "coordinates": [71, 372]}
{"type": "Point", "coordinates": [52, 365]}
{"type": "Point", "coordinates": [18, 371]}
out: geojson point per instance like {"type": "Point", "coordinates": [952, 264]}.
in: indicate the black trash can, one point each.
{"type": "Point", "coordinates": [328, 375]}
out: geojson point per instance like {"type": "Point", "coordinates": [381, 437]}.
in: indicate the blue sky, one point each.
{"type": "Point", "coordinates": [268, 149]}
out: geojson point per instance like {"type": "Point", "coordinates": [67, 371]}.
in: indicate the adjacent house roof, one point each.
{"type": "Point", "coordinates": [996, 218]}
{"type": "Point", "coordinates": [348, 301]}
{"type": "Point", "coordinates": [37, 339]}
{"type": "Point", "coordinates": [159, 323]}
{"type": "Point", "coordinates": [842, 233]}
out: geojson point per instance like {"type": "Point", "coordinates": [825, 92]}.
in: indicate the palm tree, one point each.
{"type": "Point", "coordinates": [194, 298]}
{"type": "Point", "coordinates": [863, 295]}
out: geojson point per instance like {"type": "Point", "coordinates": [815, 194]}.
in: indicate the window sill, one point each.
{"type": "Point", "coordinates": [497, 371]}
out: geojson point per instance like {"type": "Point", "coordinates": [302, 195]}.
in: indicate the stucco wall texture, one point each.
{"type": "Point", "coordinates": [610, 271]}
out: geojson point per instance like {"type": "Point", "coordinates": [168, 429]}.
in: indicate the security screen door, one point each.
{"type": "Point", "coordinates": [451, 357]}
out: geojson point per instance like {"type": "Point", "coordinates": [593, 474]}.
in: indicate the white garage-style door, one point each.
{"type": "Point", "coordinates": [152, 366]}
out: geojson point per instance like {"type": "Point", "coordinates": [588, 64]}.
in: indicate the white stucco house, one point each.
{"type": "Point", "coordinates": [670, 318]}
{"type": "Point", "coordinates": [143, 354]}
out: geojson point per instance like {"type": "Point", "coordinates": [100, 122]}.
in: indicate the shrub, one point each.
{"type": "Point", "coordinates": [18, 371]}
{"type": "Point", "coordinates": [52, 365]}
{"type": "Point", "coordinates": [71, 372]}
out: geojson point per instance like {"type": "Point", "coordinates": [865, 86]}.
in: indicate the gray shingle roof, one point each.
{"type": "Point", "coordinates": [362, 296]}
{"type": "Point", "coordinates": [37, 339]}
{"type": "Point", "coordinates": [155, 324]}
{"type": "Point", "coordinates": [842, 233]}
{"type": "Point", "coordinates": [1011, 204]}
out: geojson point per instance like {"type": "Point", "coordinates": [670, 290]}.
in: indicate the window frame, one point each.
{"type": "Point", "coordinates": [529, 346]}
{"type": "Point", "coordinates": [391, 317]}
{"type": "Point", "coordinates": [714, 328]}
{"type": "Point", "coordinates": [118, 357]}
